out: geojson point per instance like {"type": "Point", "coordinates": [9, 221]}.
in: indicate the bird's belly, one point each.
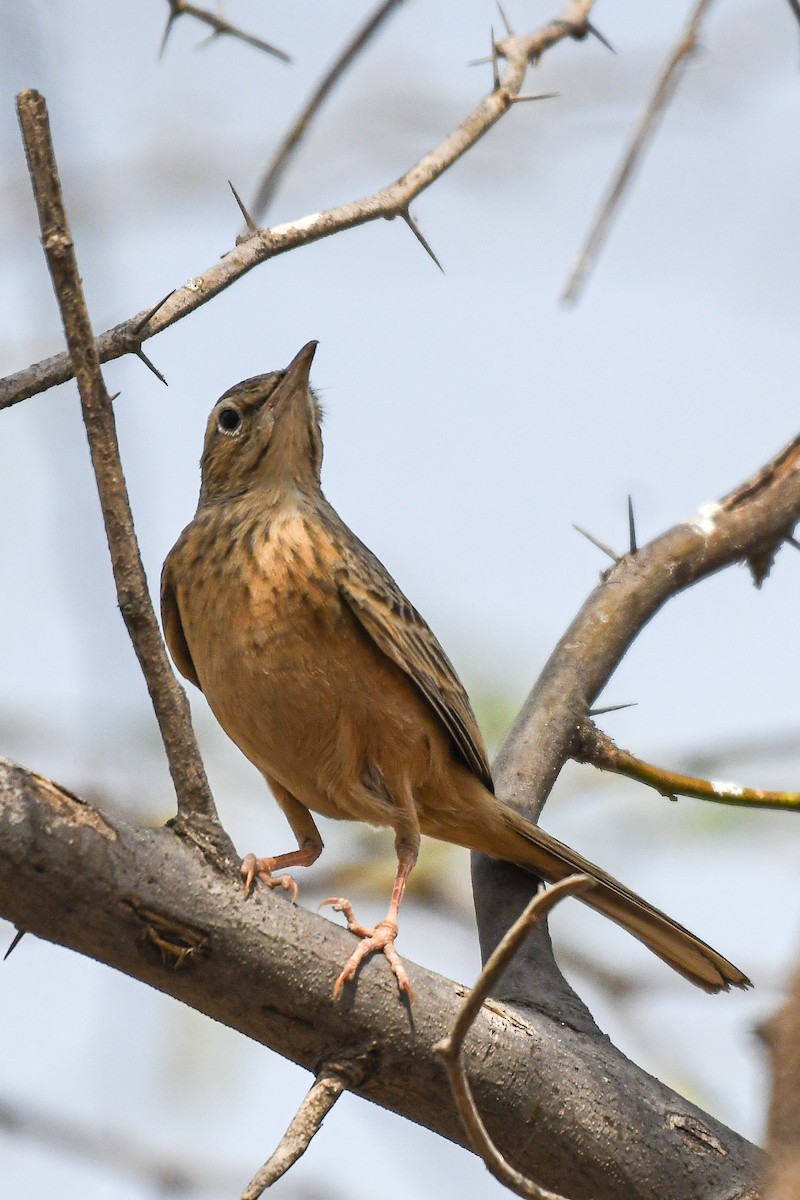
{"type": "Point", "coordinates": [306, 696]}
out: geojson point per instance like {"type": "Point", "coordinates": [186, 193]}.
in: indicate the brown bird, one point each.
{"type": "Point", "coordinates": [329, 680]}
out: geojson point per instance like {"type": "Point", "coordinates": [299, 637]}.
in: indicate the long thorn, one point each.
{"type": "Point", "coordinates": [505, 19]}
{"type": "Point", "coordinates": [538, 96]}
{"type": "Point", "coordinates": [18, 936]}
{"type": "Point", "coordinates": [495, 64]}
{"type": "Point", "coordinates": [248, 220]}
{"type": "Point", "coordinates": [411, 222]}
{"type": "Point", "coordinates": [631, 527]}
{"type": "Point", "coordinates": [174, 14]}
{"type": "Point", "coordinates": [141, 354]}
{"type": "Point", "coordinates": [609, 708]}
{"type": "Point", "coordinates": [596, 542]}
{"type": "Point", "coordinates": [596, 32]}
{"type": "Point", "coordinates": [148, 316]}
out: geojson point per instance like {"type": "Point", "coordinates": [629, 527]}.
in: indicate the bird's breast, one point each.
{"type": "Point", "coordinates": [277, 654]}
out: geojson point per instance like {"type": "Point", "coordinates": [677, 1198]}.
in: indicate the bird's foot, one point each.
{"type": "Point", "coordinates": [380, 938]}
{"type": "Point", "coordinates": [261, 869]}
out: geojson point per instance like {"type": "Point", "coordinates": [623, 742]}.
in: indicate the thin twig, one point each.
{"type": "Point", "coordinates": [169, 700]}
{"type": "Point", "coordinates": [275, 171]}
{"type": "Point", "coordinates": [647, 126]}
{"type": "Point", "coordinates": [598, 749]}
{"type": "Point", "coordinates": [332, 1079]}
{"type": "Point", "coordinates": [218, 26]}
{"type": "Point", "coordinates": [451, 1048]}
{"type": "Point", "coordinates": [387, 203]}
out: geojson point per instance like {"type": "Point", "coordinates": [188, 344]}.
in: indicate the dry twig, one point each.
{"type": "Point", "coordinates": [599, 750]}
{"type": "Point", "coordinates": [332, 1079]}
{"type": "Point", "coordinates": [219, 27]}
{"type": "Point", "coordinates": [451, 1048]}
{"type": "Point", "coordinates": [647, 126]}
{"type": "Point", "coordinates": [387, 203]}
{"type": "Point", "coordinates": [196, 804]}
{"type": "Point", "coordinates": [286, 150]}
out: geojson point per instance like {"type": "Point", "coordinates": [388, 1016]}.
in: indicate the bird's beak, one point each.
{"type": "Point", "coordinates": [295, 381]}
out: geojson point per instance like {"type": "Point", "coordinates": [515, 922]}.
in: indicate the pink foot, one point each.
{"type": "Point", "coordinates": [380, 938]}
{"type": "Point", "coordinates": [260, 869]}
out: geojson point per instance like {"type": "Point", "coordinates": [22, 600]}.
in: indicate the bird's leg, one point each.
{"type": "Point", "coordinates": [383, 935]}
{"type": "Point", "coordinates": [308, 840]}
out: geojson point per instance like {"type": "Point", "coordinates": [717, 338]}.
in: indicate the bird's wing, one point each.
{"type": "Point", "coordinates": [173, 627]}
{"type": "Point", "coordinates": [402, 635]}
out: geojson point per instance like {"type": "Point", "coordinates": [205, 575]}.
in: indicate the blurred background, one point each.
{"type": "Point", "coordinates": [470, 421]}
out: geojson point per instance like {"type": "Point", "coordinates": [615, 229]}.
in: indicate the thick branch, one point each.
{"type": "Point", "coordinates": [757, 515]}
{"type": "Point", "coordinates": [387, 203]}
{"type": "Point", "coordinates": [169, 699]}
{"type": "Point", "coordinates": [142, 901]}
{"type": "Point", "coordinates": [749, 525]}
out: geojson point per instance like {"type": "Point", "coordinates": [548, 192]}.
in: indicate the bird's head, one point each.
{"type": "Point", "coordinates": [264, 433]}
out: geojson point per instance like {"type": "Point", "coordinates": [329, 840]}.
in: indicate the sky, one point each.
{"type": "Point", "coordinates": [470, 420]}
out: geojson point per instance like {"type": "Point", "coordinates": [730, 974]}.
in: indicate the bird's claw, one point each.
{"type": "Point", "coordinates": [380, 938]}
{"type": "Point", "coordinates": [260, 869]}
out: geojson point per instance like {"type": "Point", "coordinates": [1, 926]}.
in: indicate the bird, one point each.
{"type": "Point", "coordinates": [333, 685]}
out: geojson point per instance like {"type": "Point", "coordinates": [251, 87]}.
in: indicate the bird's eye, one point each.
{"type": "Point", "coordinates": [229, 421]}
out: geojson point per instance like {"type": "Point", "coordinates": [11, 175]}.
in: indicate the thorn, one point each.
{"type": "Point", "coordinates": [538, 96]}
{"type": "Point", "coordinates": [596, 542]}
{"type": "Point", "coordinates": [596, 32]}
{"type": "Point", "coordinates": [631, 527]}
{"type": "Point", "coordinates": [581, 29]}
{"type": "Point", "coordinates": [18, 936]}
{"type": "Point", "coordinates": [609, 708]}
{"type": "Point", "coordinates": [792, 541]}
{"type": "Point", "coordinates": [505, 19]}
{"type": "Point", "coordinates": [206, 41]}
{"type": "Point", "coordinates": [174, 13]}
{"type": "Point", "coordinates": [248, 220]}
{"type": "Point", "coordinates": [495, 65]}
{"type": "Point", "coordinates": [411, 222]}
{"type": "Point", "coordinates": [480, 62]}
{"type": "Point", "coordinates": [141, 354]}
{"type": "Point", "coordinates": [147, 318]}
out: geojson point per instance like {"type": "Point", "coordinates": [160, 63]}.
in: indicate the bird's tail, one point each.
{"type": "Point", "coordinates": [529, 846]}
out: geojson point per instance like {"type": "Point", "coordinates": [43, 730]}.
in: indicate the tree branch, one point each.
{"type": "Point", "coordinates": [195, 802]}
{"type": "Point", "coordinates": [599, 750]}
{"type": "Point", "coordinates": [332, 1079]}
{"type": "Point", "coordinates": [286, 150]}
{"type": "Point", "coordinates": [648, 123]}
{"type": "Point", "coordinates": [387, 203]}
{"type": "Point", "coordinates": [218, 26]}
{"type": "Point", "coordinates": [748, 525]}
{"type": "Point", "coordinates": [451, 1048]}
{"type": "Point", "coordinates": [99, 885]}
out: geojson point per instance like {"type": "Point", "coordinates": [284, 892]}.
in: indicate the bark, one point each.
{"type": "Point", "coordinates": [561, 1102]}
